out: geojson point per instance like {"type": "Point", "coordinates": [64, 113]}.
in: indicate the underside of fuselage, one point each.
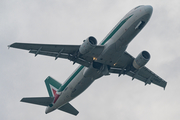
{"type": "Point", "coordinates": [128, 28]}
{"type": "Point", "coordinates": [95, 61]}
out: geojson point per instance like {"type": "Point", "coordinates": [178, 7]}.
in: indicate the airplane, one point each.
{"type": "Point", "coordinates": [109, 56]}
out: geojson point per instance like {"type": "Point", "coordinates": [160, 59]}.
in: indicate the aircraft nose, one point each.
{"type": "Point", "coordinates": [149, 9]}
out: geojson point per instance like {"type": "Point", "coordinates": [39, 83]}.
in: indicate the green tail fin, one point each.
{"type": "Point", "coordinates": [52, 86]}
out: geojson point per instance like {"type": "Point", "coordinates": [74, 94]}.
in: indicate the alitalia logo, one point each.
{"type": "Point", "coordinates": [53, 91]}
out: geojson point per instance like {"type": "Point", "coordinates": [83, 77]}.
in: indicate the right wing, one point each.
{"type": "Point", "coordinates": [60, 51]}
{"type": "Point", "coordinates": [143, 74]}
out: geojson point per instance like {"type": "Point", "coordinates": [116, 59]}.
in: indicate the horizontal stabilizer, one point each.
{"type": "Point", "coordinates": [69, 109]}
{"type": "Point", "coordinates": [44, 101]}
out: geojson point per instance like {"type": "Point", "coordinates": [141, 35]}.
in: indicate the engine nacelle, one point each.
{"type": "Point", "coordinates": [88, 45]}
{"type": "Point", "coordinates": [141, 59]}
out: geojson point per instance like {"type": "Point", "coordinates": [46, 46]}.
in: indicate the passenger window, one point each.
{"type": "Point", "coordinates": [66, 88]}
{"type": "Point", "coordinates": [74, 90]}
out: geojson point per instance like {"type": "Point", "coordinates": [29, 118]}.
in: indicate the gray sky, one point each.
{"type": "Point", "coordinates": [70, 22]}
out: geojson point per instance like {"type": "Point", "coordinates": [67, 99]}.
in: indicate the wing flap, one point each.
{"type": "Point", "coordinates": [44, 101]}
{"type": "Point", "coordinates": [62, 55]}
{"type": "Point", "coordinates": [51, 54]}
{"type": "Point", "coordinates": [144, 74]}
{"type": "Point", "coordinates": [46, 47]}
{"type": "Point", "coordinates": [147, 76]}
{"type": "Point", "coordinates": [60, 51]}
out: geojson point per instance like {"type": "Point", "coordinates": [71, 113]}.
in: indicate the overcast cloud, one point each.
{"type": "Point", "coordinates": [70, 22]}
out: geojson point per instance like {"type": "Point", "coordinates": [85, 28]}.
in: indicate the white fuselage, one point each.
{"type": "Point", "coordinates": [115, 44]}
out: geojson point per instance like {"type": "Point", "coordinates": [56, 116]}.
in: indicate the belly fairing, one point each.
{"type": "Point", "coordinates": [84, 81]}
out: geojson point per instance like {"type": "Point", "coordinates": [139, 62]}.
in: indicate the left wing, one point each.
{"type": "Point", "coordinates": [143, 74]}
{"type": "Point", "coordinates": [60, 51]}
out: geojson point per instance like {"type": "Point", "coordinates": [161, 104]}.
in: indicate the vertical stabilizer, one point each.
{"type": "Point", "coordinates": [52, 86]}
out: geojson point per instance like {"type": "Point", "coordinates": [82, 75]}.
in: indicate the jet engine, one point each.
{"type": "Point", "coordinates": [88, 45]}
{"type": "Point", "coordinates": [141, 59]}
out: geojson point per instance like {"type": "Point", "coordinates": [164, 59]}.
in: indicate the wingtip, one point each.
{"type": "Point", "coordinates": [77, 113]}
{"type": "Point", "coordinates": [21, 100]}
{"type": "Point", "coordinates": [165, 85]}
{"type": "Point", "coordinates": [9, 46]}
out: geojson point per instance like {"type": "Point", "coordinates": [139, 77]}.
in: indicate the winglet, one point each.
{"type": "Point", "coordinates": [9, 46]}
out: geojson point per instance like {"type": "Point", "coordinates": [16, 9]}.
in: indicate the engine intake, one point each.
{"type": "Point", "coordinates": [141, 59]}
{"type": "Point", "coordinates": [88, 45]}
